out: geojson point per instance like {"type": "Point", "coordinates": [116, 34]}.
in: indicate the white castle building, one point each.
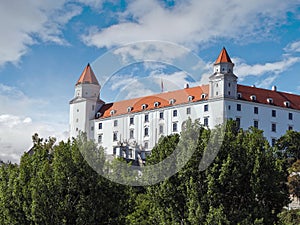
{"type": "Point", "coordinates": [131, 128]}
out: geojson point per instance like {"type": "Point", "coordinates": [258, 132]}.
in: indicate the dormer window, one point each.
{"type": "Point", "coordinates": [287, 104]}
{"type": "Point", "coordinates": [98, 115]}
{"type": "Point", "coordinates": [190, 98]}
{"type": "Point", "coordinates": [129, 109]}
{"type": "Point", "coordinates": [172, 101]}
{"type": "Point", "coordinates": [156, 104]}
{"type": "Point", "coordinates": [253, 98]}
{"type": "Point", "coordinates": [144, 106]}
{"type": "Point", "coordinates": [239, 95]}
{"type": "Point", "coordinates": [112, 112]}
{"type": "Point", "coordinates": [270, 100]}
{"type": "Point", "coordinates": [203, 96]}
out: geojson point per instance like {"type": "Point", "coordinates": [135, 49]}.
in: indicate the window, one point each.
{"type": "Point", "coordinates": [115, 136]}
{"type": "Point", "coordinates": [130, 153]}
{"type": "Point", "coordinates": [144, 106]}
{"type": "Point", "coordinates": [253, 98]}
{"type": "Point", "coordinates": [273, 141]}
{"type": "Point", "coordinates": [92, 128]}
{"type": "Point", "coordinates": [93, 107]}
{"type": "Point", "coordinates": [174, 127]}
{"type": "Point", "coordinates": [161, 115]}
{"type": "Point", "coordinates": [175, 113]}
{"type": "Point", "coordinates": [228, 92]}
{"type": "Point", "coordinates": [100, 138]}
{"type": "Point", "coordinates": [290, 116]}
{"type": "Point", "coordinates": [228, 84]}
{"type": "Point", "coordinates": [229, 107]}
{"type": "Point", "coordinates": [190, 98]}
{"type": "Point", "coordinates": [274, 127]}
{"type": "Point", "coordinates": [290, 127]}
{"type": "Point", "coordinates": [77, 120]}
{"type": "Point", "coordinates": [146, 117]}
{"type": "Point", "coordinates": [131, 133]}
{"type": "Point", "coordinates": [188, 111]}
{"type": "Point", "coordinates": [129, 109]}
{"type": "Point", "coordinates": [114, 150]}
{"type": "Point", "coordinates": [255, 110]}
{"type": "Point", "coordinates": [115, 123]}
{"type": "Point", "coordinates": [161, 129]}
{"type": "Point", "coordinates": [217, 93]}
{"type": "Point", "coordinates": [112, 112]}
{"type": "Point", "coordinates": [205, 108]}
{"type": "Point", "coordinates": [146, 145]}
{"type": "Point", "coordinates": [273, 113]}
{"type": "Point", "coordinates": [100, 126]}
{"type": "Point", "coordinates": [203, 96]}
{"type": "Point", "coordinates": [131, 121]}
{"type": "Point", "coordinates": [255, 123]}
{"type": "Point", "coordinates": [239, 95]}
{"type": "Point", "coordinates": [206, 121]}
{"type": "Point", "coordinates": [172, 101]}
{"type": "Point", "coordinates": [156, 104]}
{"type": "Point", "coordinates": [238, 122]}
{"type": "Point", "coordinates": [238, 107]}
{"type": "Point", "coordinates": [146, 131]}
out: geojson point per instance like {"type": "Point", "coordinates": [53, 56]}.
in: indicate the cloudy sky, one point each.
{"type": "Point", "coordinates": [132, 46]}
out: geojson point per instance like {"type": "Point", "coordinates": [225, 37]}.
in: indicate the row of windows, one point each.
{"type": "Point", "coordinates": [161, 116]}
{"type": "Point", "coordinates": [146, 131]}
{"type": "Point", "coordinates": [255, 111]}
{"type": "Point", "coordinates": [255, 124]}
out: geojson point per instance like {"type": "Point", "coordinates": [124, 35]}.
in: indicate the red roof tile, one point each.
{"type": "Point", "coordinates": [263, 94]}
{"type": "Point", "coordinates": [223, 57]}
{"type": "Point", "coordinates": [180, 97]}
{"type": "Point", "coordinates": [87, 76]}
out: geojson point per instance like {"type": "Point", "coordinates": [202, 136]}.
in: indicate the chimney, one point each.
{"type": "Point", "coordinates": [274, 88]}
{"type": "Point", "coordinates": [186, 85]}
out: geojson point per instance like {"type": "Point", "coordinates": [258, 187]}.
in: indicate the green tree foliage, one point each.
{"type": "Point", "coordinates": [54, 185]}
{"type": "Point", "coordinates": [289, 144]}
{"type": "Point", "coordinates": [245, 184]}
{"type": "Point", "coordinates": [289, 217]}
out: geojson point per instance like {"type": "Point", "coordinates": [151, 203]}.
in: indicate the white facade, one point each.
{"type": "Point", "coordinates": [131, 128]}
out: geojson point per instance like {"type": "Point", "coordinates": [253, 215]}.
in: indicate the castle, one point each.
{"type": "Point", "coordinates": [131, 128]}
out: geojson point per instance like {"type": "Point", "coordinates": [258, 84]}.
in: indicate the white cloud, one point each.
{"type": "Point", "coordinates": [192, 22]}
{"type": "Point", "coordinates": [24, 23]}
{"type": "Point", "coordinates": [17, 125]}
{"type": "Point", "coordinates": [16, 133]}
{"type": "Point", "coordinates": [242, 69]}
{"type": "Point", "coordinates": [293, 47]}
{"type": "Point", "coordinates": [266, 82]}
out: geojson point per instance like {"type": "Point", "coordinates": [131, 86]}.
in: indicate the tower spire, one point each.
{"type": "Point", "coordinates": [87, 76]}
{"type": "Point", "coordinates": [223, 57]}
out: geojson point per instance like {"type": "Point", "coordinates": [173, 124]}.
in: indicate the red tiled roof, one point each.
{"type": "Point", "coordinates": [263, 94]}
{"type": "Point", "coordinates": [223, 57]}
{"type": "Point", "coordinates": [180, 97]}
{"type": "Point", "coordinates": [87, 76]}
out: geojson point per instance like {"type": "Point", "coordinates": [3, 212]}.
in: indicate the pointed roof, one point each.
{"type": "Point", "coordinates": [87, 76]}
{"type": "Point", "coordinates": [223, 57]}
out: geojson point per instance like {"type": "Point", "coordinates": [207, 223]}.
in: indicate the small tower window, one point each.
{"type": "Point", "coordinates": [172, 101]}
{"type": "Point", "coordinates": [253, 98]}
{"type": "Point", "coordinates": [144, 106]}
{"type": "Point", "coordinates": [270, 100]}
{"type": "Point", "coordinates": [287, 104]}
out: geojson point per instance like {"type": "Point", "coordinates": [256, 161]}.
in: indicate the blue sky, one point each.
{"type": "Point", "coordinates": [46, 44]}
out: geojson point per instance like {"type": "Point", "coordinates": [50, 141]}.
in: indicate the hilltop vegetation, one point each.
{"type": "Point", "coordinates": [245, 184]}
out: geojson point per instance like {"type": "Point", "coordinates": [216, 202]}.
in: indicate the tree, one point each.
{"type": "Point", "coordinates": [245, 184]}
{"type": "Point", "coordinates": [289, 144]}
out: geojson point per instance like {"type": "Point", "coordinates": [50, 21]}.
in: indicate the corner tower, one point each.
{"type": "Point", "coordinates": [223, 82]}
{"type": "Point", "coordinates": [85, 103]}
